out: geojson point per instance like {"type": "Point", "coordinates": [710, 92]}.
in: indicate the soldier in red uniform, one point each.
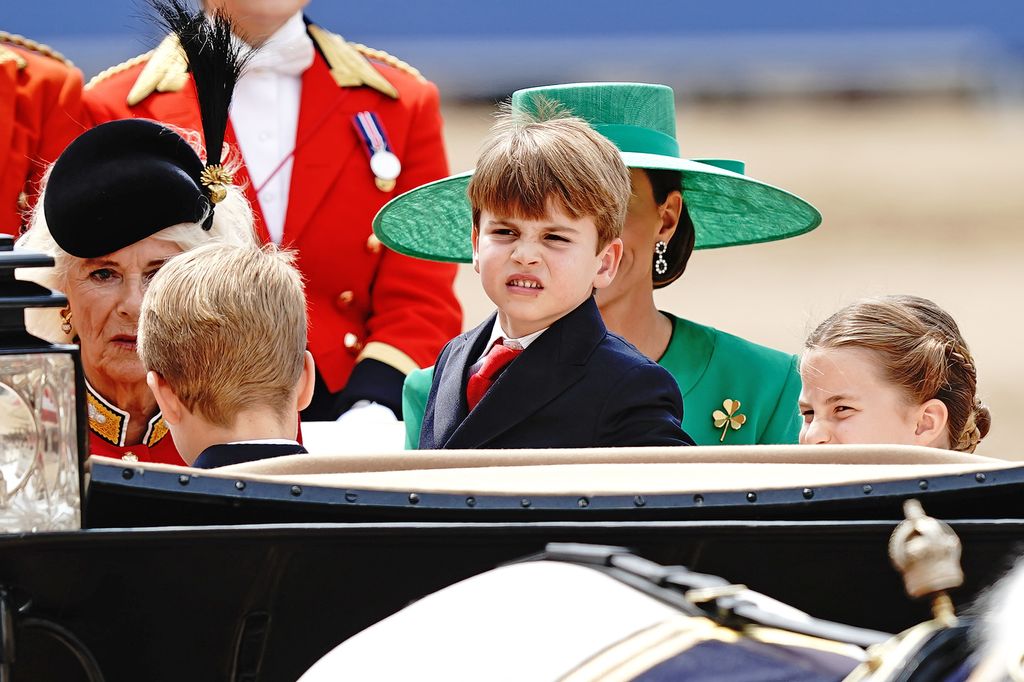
{"type": "Point", "coordinates": [329, 131]}
{"type": "Point", "coordinates": [40, 112]}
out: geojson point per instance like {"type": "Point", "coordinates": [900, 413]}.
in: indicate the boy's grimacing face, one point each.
{"type": "Point", "coordinates": [536, 271]}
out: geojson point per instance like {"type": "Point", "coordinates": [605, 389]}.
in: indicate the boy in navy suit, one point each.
{"type": "Point", "coordinates": [222, 333]}
{"type": "Point", "coordinates": [549, 197]}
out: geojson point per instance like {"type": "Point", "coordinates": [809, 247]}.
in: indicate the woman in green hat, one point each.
{"type": "Point", "coordinates": [735, 392]}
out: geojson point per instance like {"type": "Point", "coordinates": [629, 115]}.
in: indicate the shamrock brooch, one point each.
{"type": "Point", "coordinates": [723, 420]}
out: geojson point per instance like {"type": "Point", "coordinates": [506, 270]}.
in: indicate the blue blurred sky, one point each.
{"type": "Point", "coordinates": [483, 48]}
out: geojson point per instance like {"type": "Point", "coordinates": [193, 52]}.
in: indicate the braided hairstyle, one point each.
{"type": "Point", "coordinates": [921, 350]}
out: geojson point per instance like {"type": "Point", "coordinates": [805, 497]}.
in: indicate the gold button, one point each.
{"type": "Point", "coordinates": [351, 342]}
{"type": "Point", "coordinates": [373, 244]}
{"type": "Point", "coordinates": [345, 297]}
{"type": "Point", "coordinates": [130, 457]}
{"type": "Point", "coordinates": [23, 201]}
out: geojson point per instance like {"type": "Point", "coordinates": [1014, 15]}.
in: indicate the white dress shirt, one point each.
{"type": "Point", "coordinates": [265, 116]}
{"type": "Point", "coordinates": [518, 344]}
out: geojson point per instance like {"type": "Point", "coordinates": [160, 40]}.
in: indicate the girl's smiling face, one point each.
{"type": "Point", "coordinates": [845, 400]}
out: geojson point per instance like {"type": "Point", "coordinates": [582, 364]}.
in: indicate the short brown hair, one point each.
{"type": "Point", "coordinates": [529, 160]}
{"type": "Point", "coordinates": [225, 326]}
{"type": "Point", "coordinates": [920, 350]}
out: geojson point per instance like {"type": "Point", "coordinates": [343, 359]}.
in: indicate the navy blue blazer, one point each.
{"type": "Point", "coordinates": [235, 453]}
{"type": "Point", "coordinates": [576, 386]}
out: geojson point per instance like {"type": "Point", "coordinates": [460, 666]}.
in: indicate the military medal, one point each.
{"type": "Point", "coordinates": [384, 165]}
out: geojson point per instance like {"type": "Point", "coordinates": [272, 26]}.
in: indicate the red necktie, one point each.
{"type": "Point", "coordinates": [497, 359]}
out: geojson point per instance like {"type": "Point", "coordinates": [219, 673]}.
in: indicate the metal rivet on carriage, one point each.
{"type": "Point", "coordinates": [239, 485]}
{"type": "Point", "coordinates": [296, 490]}
{"type": "Point", "coordinates": [184, 479]}
{"type": "Point", "coordinates": [127, 474]}
{"type": "Point", "coordinates": [414, 498]}
{"type": "Point", "coordinates": [808, 493]}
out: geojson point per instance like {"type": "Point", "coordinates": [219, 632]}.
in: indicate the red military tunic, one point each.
{"type": "Point", "coordinates": [365, 301]}
{"type": "Point", "coordinates": [40, 113]}
{"type": "Point", "coordinates": [108, 426]}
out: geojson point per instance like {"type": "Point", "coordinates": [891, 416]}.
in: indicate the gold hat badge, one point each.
{"type": "Point", "coordinates": [216, 179]}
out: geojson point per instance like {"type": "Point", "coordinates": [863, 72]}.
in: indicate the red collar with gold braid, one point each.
{"type": "Point", "coordinates": [110, 423]}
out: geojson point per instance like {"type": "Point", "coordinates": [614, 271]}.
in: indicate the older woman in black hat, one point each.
{"type": "Point", "coordinates": [121, 200]}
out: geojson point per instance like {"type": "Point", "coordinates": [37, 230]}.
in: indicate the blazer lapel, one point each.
{"type": "Point", "coordinates": [450, 407]}
{"type": "Point", "coordinates": [324, 141]}
{"type": "Point", "coordinates": [552, 363]}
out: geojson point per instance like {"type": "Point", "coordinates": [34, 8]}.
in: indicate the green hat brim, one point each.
{"type": "Point", "coordinates": [434, 221]}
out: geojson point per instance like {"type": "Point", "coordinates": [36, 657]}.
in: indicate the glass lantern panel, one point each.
{"type": "Point", "coordinates": [38, 444]}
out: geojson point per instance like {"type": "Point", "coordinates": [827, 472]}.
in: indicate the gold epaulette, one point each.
{"type": "Point", "coordinates": [117, 68]}
{"type": "Point", "coordinates": [349, 67]}
{"type": "Point", "coordinates": [390, 60]}
{"type": "Point", "coordinates": [166, 70]}
{"type": "Point", "coordinates": [30, 45]}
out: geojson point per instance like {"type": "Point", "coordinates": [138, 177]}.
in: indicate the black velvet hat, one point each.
{"type": "Point", "coordinates": [126, 180]}
{"type": "Point", "coordinates": [120, 183]}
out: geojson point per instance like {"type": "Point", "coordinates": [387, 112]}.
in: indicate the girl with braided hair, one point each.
{"type": "Point", "coordinates": [891, 370]}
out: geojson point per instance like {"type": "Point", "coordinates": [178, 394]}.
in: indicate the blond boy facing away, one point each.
{"type": "Point", "coordinates": [222, 333]}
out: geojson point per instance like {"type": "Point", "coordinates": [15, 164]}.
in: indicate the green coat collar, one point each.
{"type": "Point", "coordinates": [713, 367]}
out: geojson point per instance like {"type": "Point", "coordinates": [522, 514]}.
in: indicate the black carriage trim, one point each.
{"type": "Point", "coordinates": [981, 494]}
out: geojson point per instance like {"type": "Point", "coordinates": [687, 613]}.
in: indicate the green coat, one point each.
{"type": "Point", "coordinates": [711, 367]}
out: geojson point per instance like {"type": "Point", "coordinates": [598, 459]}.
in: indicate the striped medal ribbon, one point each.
{"type": "Point", "coordinates": [384, 165]}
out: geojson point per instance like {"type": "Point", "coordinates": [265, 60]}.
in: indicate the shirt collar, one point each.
{"type": "Point", "coordinates": [289, 51]}
{"type": "Point", "coordinates": [522, 342]}
{"type": "Point", "coordinates": [265, 441]}
{"type": "Point", "coordinates": [292, 31]}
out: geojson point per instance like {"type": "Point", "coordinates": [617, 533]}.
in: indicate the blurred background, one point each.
{"type": "Point", "coordinates": [903, 122]}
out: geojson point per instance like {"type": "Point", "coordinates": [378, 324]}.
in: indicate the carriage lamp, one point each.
{"type": "Point", "coordinates": [42, 425]}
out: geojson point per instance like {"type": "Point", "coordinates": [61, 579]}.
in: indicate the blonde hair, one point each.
{"type": "Point", "coordinates": [225, 326]}
{"type": "Point", "coordinates": [920, 349]}
{"type": "Point", "coordinates": [232, 224]}
{"type": "Point", "coordinates": [529, 160]}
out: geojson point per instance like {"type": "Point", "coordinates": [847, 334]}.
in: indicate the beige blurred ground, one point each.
{"type": "Point", "coordinates": [923, 197]}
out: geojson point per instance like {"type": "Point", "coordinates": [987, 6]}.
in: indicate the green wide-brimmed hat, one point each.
{"type": "Point", "coordinates": [727, 208]}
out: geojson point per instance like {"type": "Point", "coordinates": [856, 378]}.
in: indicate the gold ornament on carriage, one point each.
{"type": "Point", "coordinates": [729, 418]}
{"type": "Point", "coordinates": [216, 180]}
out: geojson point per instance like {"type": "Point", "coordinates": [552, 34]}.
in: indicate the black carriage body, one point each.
{"type": "Point", "coordinates": [186, 574]}
{"type": "Point", "coordinates": [265, 602]}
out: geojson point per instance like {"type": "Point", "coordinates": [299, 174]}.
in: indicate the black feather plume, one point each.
{"type": "Point", "coordinates": [215, 60]}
